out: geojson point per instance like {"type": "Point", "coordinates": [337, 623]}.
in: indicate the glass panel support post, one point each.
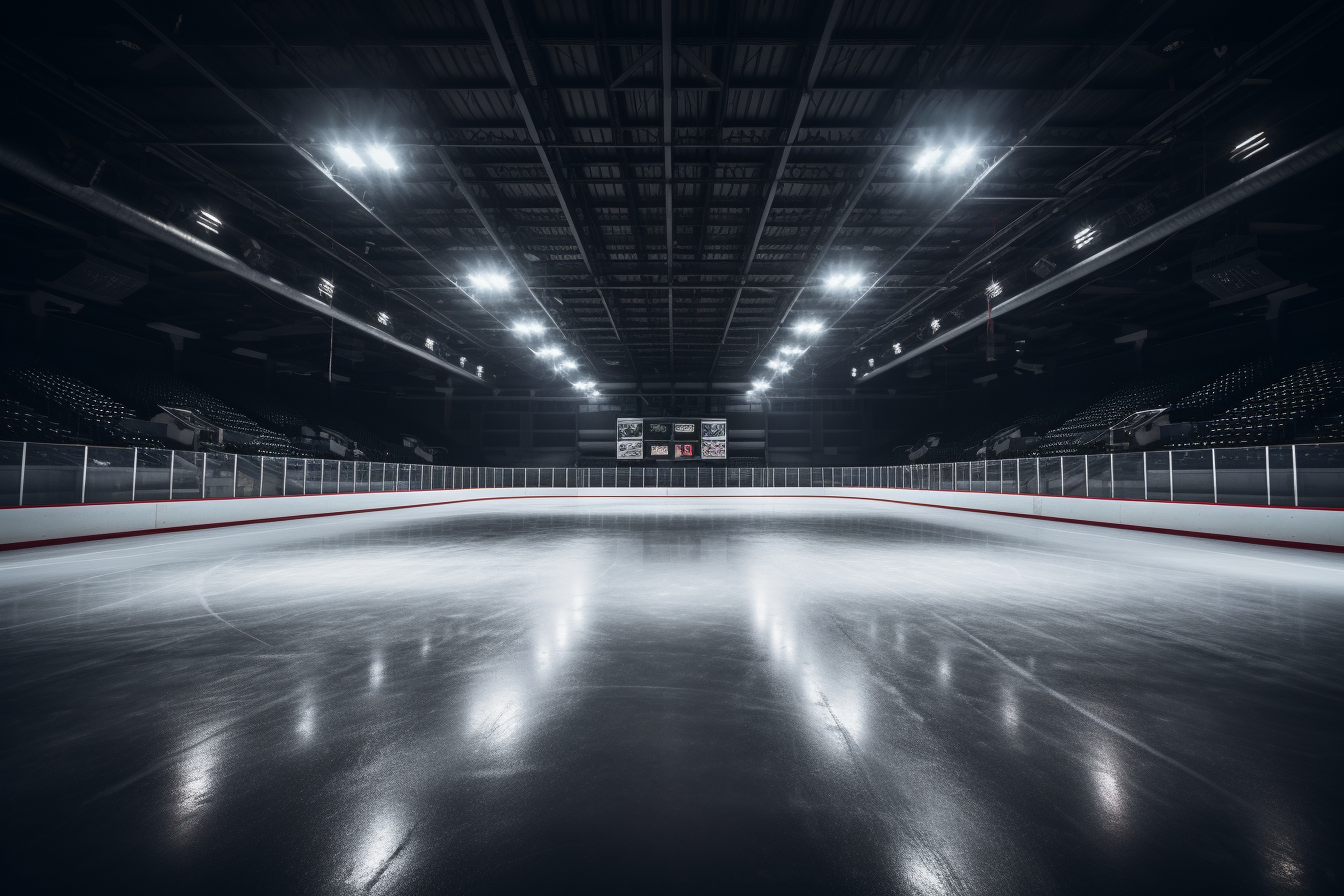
{"type": "Point", "coordinates": [1294, 475]}
{"type": "Point", "coordinates": [84, 479]}
{"type": "Point", "coordinates": [1213, 459]}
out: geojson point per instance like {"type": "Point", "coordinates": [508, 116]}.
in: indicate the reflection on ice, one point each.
{"type": "Point", "coordinates": [196, 774]}
{"type": "Point", "coordinates": [377, 847]}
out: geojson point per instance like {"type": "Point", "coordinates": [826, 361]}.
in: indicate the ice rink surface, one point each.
{"type": "Point", "coordinates": [673, 695]}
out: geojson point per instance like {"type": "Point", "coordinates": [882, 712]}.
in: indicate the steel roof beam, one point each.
{"type": "Point", "coordinates": [800, 109]}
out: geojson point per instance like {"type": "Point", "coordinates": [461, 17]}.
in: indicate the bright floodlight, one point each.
{"type": "Point", "coordinates": [382, 158]}
{"type": "Point", "coordinates": [584, 384]}
{"type": "Point", "coordinates": [326, 289]}
{"type": "Point", "coordinates": [779, 365]}
{"type": "Point", "coordinates": [993, 290]}
{"type": "Point", "coordinates": [928, 158]}
{"type": "Point", "coordinates": [895, 348]}
{"type": "Point", "coordinates": [383, 318]}
{"type": "Point", "coordinates": [808, 327]}
{"type": "Point", "coordinates": [429, 343]}
{"type": "Point", "coordinates": [480, 371]}
{"type": "Point", "coordinates": [853, 371]}
{"type": "Point", "coordinates": [528, 328]}
{"type": "Point", "coordinates": [960, 158]}
{"type": "Point", "coordinates": [935, 325]}
{"type": "Point", "coordinates": [843, 281]}
{"type": "Point", "coordinates": [568, 365]}
{"type": "Point", "coordinates": [791, 350]}
{"type": "Point", "coordinates": [208, 221]}
{"type": "Point", "coordinates": [549, 351]}
{"type": "Point", "coordinates": [1084, 236]}
{"type": "Point", "coordinates": [1249, 147]}
{"type": "Point", "coordinates": [490, 281]}
{"type": "Point", "coordinates": [350, 157]}
{"type": "Point", "coordinates": [760, 385]}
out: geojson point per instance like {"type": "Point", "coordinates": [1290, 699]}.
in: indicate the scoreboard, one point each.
{"type": "Point", "coordinates": [671, 438]}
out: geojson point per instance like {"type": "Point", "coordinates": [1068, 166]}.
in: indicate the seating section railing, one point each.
{"type": "Point", "coordinates": [33, 473]}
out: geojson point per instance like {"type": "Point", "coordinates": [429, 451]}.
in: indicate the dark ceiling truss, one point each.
{"type": "Point", "coordinates": [638, 164]}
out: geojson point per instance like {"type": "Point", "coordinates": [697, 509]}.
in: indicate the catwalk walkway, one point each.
{"type": "Point", "coordinates": [672, 695]}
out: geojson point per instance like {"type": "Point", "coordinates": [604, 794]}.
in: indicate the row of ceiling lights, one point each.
{"type": "Point", "coordinates": [955, 160]}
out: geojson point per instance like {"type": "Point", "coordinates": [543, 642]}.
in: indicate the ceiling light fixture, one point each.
{"type": "Point", "coordinates": [326, 289]}
{"type": "Point", "coordinates": [935, 325]}
{"type": "Point", "coordinates": [383, 318]}
{"type": "Point", "coordinates": [760, 385]}
{"type": "Point", "coordinates": [1084, 236]}
{"type": "Point", "coordinates": [808, 327]}
{"type": "Point", "coordinates": [462, 362]}
{"type": "Point", "coordinates": [567, 365]}
{"type": "Point", "coordinates": [349, 156]}
{"type": "Point", "coordinates": [208, 221]}
{"type": "Point", "coordinates": [548, 351]}
{"type": "Point", "coordinates": [528, 328]}
{"type": "Point", "coordinates": [429, 343]}
{"type": "Point", "coordinates": [792, 350]}
{"type": "Point", "coordinates": [382, 158]}
{"type": "Point", "coordinates": [480, 371]}
{"type": "Point", "coordinates": [993, 290]}
{"type": "Point", "coordinates": [853, 371]}
{"type": "Point", "coordinates": [928, 158]}
{"type": "Point", "coordinates": [1249, 147]}
{"type": "Point", "coordinates": [895, 348]}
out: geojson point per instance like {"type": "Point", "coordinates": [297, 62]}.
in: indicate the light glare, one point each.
{"type": "Point", "coordinates": [808, 327]}
{"type": "Point", "coordinates": [490, 281]}
{"type": "Point", "coordinates": [959, 158]}
{"type": "Point", "coordinates": [382, 158]}
{"type": "Point", "coordinates": [349, 156]}
{"type": "Point", "coordinates": [928, 158]}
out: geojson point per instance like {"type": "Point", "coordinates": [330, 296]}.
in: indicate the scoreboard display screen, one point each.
{"type": "Point", "coordinates": [671, 438]}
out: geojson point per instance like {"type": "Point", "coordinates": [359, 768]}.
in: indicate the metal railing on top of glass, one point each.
{"type": "Point", "coordinates": [1289, 475]}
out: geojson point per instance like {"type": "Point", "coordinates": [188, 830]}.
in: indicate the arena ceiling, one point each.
{"type": "Point", "coordinates": [662, 192]}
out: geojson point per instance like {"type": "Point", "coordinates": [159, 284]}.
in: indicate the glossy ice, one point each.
{"type": "Point", "coordinates": [673, 695]}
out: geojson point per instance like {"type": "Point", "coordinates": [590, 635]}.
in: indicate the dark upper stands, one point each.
{"type": "Point", "coordinates": [82, 413]}
{"type": "Point", "coordinates": [1294, 408]}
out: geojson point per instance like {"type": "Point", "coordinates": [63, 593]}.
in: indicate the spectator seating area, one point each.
{"type": "Point", "coordinates": [20, 423]}
{"type": "Point", "coordinates": [1078, 431]}
{"type": "Point", "coordinates": [1293, 408]}
{"type": "Point", "coordinates": [40, 403]}
{"type": "Point", "coordinates": [148, 392]}
{"type": "Point", "coordinates": [1266, 400]}
{"type": "Point", "coordinates": [78, 412]}
{"type": "Point", "coordinates": [291, 421]}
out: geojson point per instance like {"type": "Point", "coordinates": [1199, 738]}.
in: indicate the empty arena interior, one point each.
{"type": "Point", "coordinates": [826, 446]}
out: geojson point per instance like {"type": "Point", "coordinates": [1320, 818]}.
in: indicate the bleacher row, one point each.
{"type": "Point", "coordinates": [39, 402]}
{"type": "Point", "coordinates": [1267, 400]}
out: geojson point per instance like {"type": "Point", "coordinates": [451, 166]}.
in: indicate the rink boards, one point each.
{"type": "Point", "coordinates": [1317, 528]}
